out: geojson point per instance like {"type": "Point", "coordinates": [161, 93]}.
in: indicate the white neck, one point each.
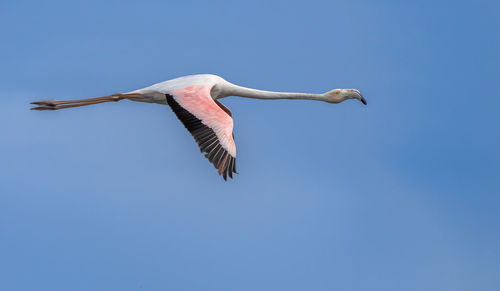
{"type": "Point", "coordinates": [235, 90]}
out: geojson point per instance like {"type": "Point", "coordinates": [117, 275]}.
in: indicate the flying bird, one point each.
{"type": "Point", "coordinates": [195, 101]}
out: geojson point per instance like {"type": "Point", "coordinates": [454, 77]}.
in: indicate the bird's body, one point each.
{"type": "Point", "coordinates": [194, 100]}
{"type": "Point", "coordinates": [155, 93]}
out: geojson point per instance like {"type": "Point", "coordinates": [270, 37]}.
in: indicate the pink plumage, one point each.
{"type": "Point", "coordinates": [197, 100]}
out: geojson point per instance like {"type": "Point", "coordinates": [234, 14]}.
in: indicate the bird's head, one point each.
{"type": "Point", "coordinates": [339, 95]}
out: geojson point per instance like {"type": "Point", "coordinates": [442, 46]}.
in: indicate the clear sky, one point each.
{"type": "Point", "coordinates": [402, 194]}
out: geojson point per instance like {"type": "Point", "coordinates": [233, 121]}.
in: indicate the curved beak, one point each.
{"type": "Point", "coordinates": [354, 94]}
{"type": "Point", "coordinates": [359, 96]}
{"type": "Point", "coordinates": [362, 99]}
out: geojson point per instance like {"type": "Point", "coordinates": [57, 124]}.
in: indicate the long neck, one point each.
{"type": "Point", "coordinates": [235, 90]}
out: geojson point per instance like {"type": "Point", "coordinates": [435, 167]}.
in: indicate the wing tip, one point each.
{"type": "Point", "coordinates": [227, 167]}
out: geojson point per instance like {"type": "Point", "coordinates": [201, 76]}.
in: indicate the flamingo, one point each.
{"type": "Point", "coordinates": [195, 101]}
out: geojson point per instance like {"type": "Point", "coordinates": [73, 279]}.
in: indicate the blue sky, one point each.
{"type": "Point", "coordinates": [402, 194]}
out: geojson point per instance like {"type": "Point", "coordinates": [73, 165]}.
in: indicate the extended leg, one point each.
{"type": "Point", "coordinates": [55, 105]}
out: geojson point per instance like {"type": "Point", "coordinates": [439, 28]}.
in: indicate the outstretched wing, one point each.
{"type": "Point", "coordinates": [209, 122]}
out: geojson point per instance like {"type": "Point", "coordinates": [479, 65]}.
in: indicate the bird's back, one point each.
{"type": "Point", "coordinates": [183, 82]}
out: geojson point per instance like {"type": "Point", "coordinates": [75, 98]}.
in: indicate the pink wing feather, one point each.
{"type": "Point", "coordinates": [210, 124]}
